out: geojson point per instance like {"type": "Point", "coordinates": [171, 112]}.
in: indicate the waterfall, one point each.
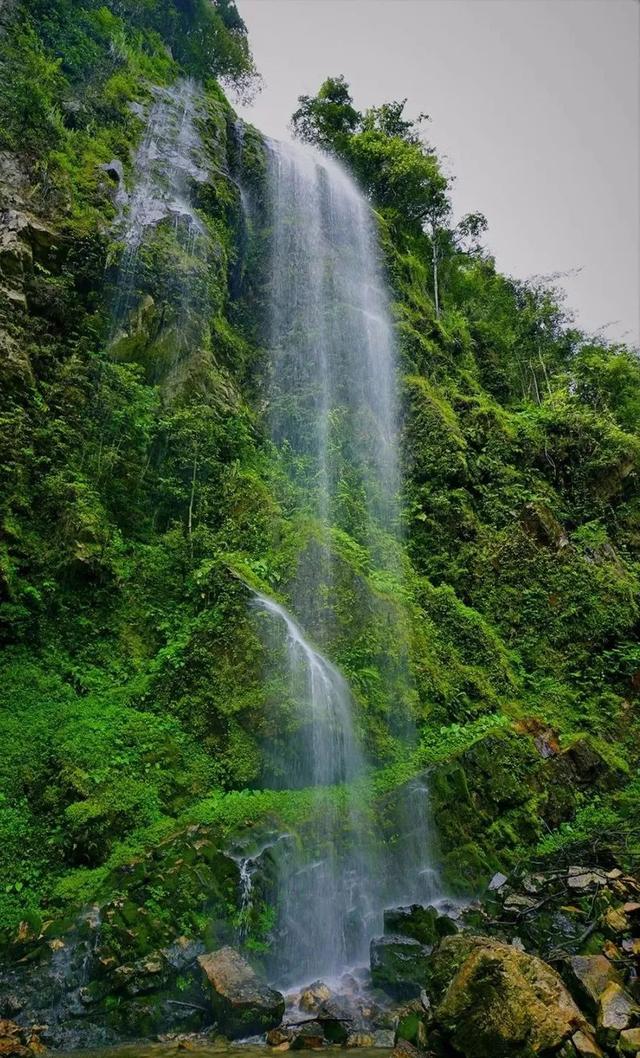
{"type": "Point", "coordinates": [332, 385]}
{"type": "Point", "coordinates": [332, 407]}
{"type": "Point", "coordinates": [327, 901]}
{"type": "Point", "coordinates": [168, 162]}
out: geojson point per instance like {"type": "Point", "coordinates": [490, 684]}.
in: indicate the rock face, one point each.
{"type": "Point", "coordinates": [399, 964]}
{"type": "Point", "coordinates": [243, 1004]}
{"type": "Point", "coordinates": [503, 1002]}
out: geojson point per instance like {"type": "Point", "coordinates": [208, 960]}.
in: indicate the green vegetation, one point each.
{"type": "Point", "coordinates": [138, 487]}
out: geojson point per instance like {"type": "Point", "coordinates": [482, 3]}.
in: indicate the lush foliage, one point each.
{"type": "Point", "coordinates": [139, 493]}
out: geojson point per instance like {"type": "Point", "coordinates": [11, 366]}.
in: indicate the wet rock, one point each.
{"type": "Point", "coordinates": [587, 976]}
{"type": "Point", "coordinates": [585, 1046]}
{"type": "Point", "coordinates": [336, 1016]}
{"type": "Point", "coordinates": [383, 1038]}
{"type": "Point", "coordinates": [114, 170]}
{"type": "Point", "coordinates": [616, 1010]}
{"type": "Point", "coordinates": [276, 1037]}
{"type": "Point", "coordinates": [533, 883]}
{"type": "Point", "coordinates": [242, 1003]}
{"type": "Point", "coordinates": [629, 1042]}
{"type": "Point", "coordinates": [309, 1036]}
{"type": "Point", "coordinates": [404, 1049]}
{"type": "Point", "coordinates": [504, 1002]}
{"type": "Point", "coordinates": [411, 1025]}
{"type": "Point", "coordinates": [18, 1042]}
{"type": "Point", "coordinates": [399, 965]}
{"type": "Point", "coordinates": [424, 924]}
{"type": "Point", "coordinates": [314, 996]}
{"type": "Point", "coordinates": [142, 977]}
{"type": "Point", "coordinates": [497, 882]}
{"type": "Point", "coordinates": [359, 1039]}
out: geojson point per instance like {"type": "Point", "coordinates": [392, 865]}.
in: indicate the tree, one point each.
{"type": "Point", "coordinates": [329, 118]}
{"type": "Point", "coordinates": [469, 232]}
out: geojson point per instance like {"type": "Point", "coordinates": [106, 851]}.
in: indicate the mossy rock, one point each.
{"type": "Point", "coordinates": [424, 924]}
{"type": "Point", "coordinates": [503, 1003]}
{"type": "Point", "coordinates": [399, 965]}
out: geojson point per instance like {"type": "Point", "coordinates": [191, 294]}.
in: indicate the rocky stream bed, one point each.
{"type": "Point", "coordinates": [545, 964]}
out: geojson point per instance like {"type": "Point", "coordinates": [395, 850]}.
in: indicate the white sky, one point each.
{"type": "Point", "coordinates": [534, 103]}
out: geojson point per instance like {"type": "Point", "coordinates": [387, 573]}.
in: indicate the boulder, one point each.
{"type": "Point", "coordinates": [242, 1003]}
{"type": "Point", "coordinates": [411, 1025]}
{"type": "Point", "coordinates": [278, 1037]}
{"type": "Point", "coordinates": [424, 924]}
{"type": "Point", "coordinates": [399, 965]}
{"type": "Point", "coordinates": [503, 1002]}
{"type": "Point", "coordinates": [309, 1036]}
{"type": "Point", "coordinates": [383, 1038]}
{"type": "Point", "coordinates": [314, 996]}
{"type": "Point", "coordinates": [616, 1010]}
{"type": "Point", "coordinates": [587, 976]}
{"type": "Point", "coordinates": [336, 1017]}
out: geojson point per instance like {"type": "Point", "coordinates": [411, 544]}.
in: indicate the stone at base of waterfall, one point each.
{"type": "Point", "coordinates": [424, 924]}
{"type": "Point", "coordinates": [242, 1003]}
{"type": "Point", "coordinates": [411, 1025]}
{"type": "Point", "coordinates": [279, 1039]}
{"type": "Point", "coordinates": [359, 1039]}
{"type": "Point", "coordinates": [399, 965]}
{"type": "Point", "coordinates": [496, 1000]}
{"type": "Point", "coordinates": [308, 1036]}
{"type": "Point", "coordinates": [313, 996]}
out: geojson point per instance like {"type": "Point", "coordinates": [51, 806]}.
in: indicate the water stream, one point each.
{"type": "Point", "coordinates": [168, 162]}
{"type": "Point", "coordinates": [327, 895]}
{"type": "Point", "coordinates": [333, 413]}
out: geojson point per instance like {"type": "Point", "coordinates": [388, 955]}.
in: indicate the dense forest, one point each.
{"type": "Point", "coordinates": [489, 642]}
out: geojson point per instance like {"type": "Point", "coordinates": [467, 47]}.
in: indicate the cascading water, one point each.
{"type": "Point", "coordinates": [333, 414]}
{"type": "Point", "coordinates": [168, 162]}
{"type": "Point", "coordinates": [326, 901]}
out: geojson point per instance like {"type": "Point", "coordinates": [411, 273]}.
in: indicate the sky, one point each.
{"type": "Point", "coordinates": [534, 107]}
